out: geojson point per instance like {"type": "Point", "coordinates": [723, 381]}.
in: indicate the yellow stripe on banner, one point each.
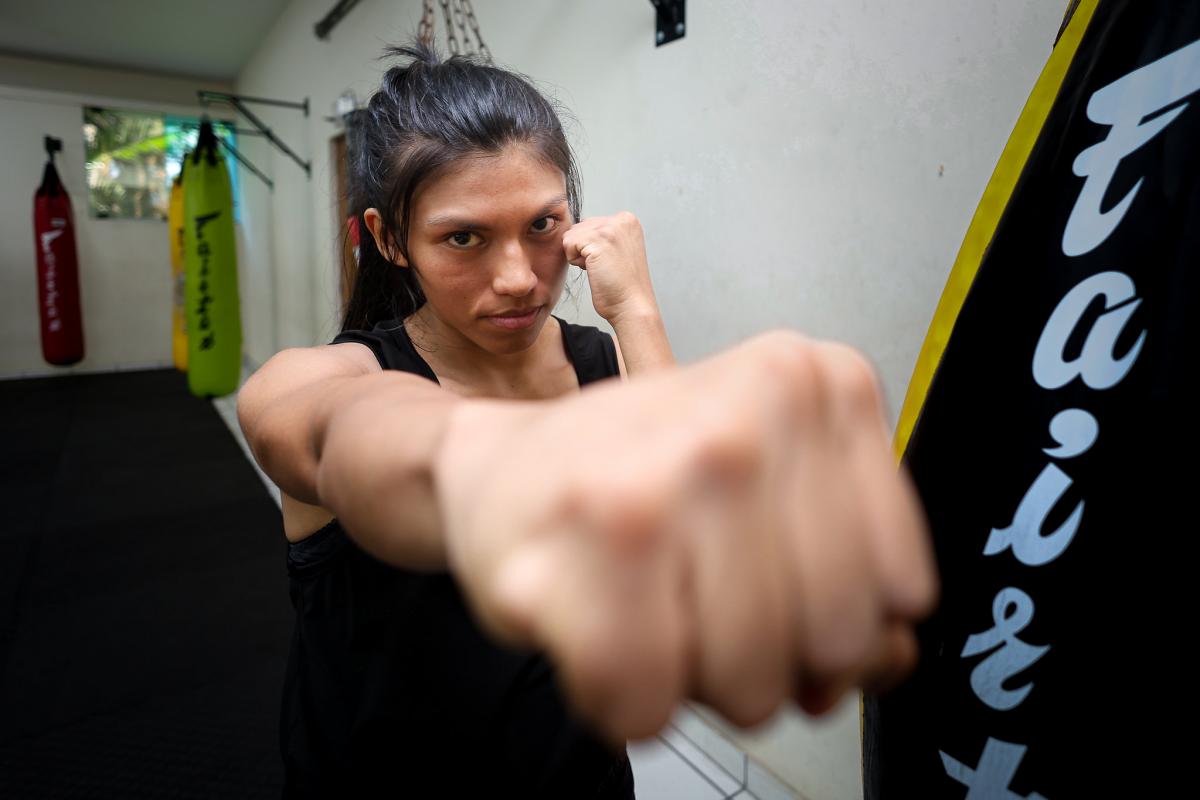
{"type": "Point", "coordinates": [987, 216]}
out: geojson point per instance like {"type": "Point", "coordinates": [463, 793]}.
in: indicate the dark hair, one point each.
{"type": "Point", "coordinates": [426, 114]}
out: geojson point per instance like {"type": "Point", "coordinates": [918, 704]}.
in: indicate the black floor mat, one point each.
{"type": "Point", "coordinates": [144, 614]}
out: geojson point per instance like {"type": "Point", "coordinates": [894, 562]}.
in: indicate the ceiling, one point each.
{"type": "Point", "coordinates": [209, 39]}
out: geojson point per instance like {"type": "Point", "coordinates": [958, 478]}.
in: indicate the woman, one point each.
{"type": "Point", "coordinates": [733, 531]}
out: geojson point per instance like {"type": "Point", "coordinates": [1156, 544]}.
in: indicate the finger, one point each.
{"type": "Point", "coordinates": [570, 241]}
{"type": "Point", "coordinates": [833, 592]}
{"type": "Point", "coordinates": [837, 602]}
{"type": "Point", "coordinates": [894, 523]}
{"type": "Point", "coordinates": [744, 650]}
{"type": "Point", "coordinates": [575, 239]}
{"type": "Point", "coordinates": [581, 256]}
{"type": "Point", "coordinates": [611, 623]}
{"type": "Point", "coordinates": [900, 544]}
{"type": "Point", "coordinates": [895, 660]}
{"type": "Point", "coordinates": [819, 696]}
{"type": "Point", "coordinates": [895, 655]}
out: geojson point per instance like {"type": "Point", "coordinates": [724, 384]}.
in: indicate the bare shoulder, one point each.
{"type": "Point", "coordinates": [297, 367]}
{"type": "Point", "coordinates": [346, 357]}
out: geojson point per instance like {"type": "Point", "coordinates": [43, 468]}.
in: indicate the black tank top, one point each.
{"type": "Point", "coordinates": [392, 690]}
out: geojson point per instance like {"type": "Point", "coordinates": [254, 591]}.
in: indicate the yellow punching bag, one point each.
{"type": "Point", "coordinates": [179, 347]}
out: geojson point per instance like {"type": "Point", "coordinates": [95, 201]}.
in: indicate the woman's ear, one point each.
{"type": "Point", "coordinates": [374, 222]}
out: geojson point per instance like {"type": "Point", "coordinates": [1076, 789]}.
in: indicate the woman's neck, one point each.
{"type": "Point", "coordinates": [456, 357]}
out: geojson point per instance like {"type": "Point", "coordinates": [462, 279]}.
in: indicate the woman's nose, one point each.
{"type": "Point", "coordinates": [514, 275]}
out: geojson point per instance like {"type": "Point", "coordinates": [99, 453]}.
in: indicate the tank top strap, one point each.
{"type": "Point", "coordinates": [392, 348]}
{"type": "Point", "coordinates": [591, 350]}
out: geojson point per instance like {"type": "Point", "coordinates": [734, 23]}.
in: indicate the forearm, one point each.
{"type": "Point", "coordinates": [643, 340]}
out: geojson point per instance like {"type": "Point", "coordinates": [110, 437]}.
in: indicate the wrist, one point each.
{"type": "Point", "coordinates": [643, 341]}
{"type": "Point", "coordinates": [636, 313]}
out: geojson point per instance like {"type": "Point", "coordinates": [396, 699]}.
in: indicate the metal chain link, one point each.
{"type": "Point", "coordinates": [425, 29]}
{"type": "Point", "coordinates": [462, 26]}
{"type": "Point", "coordinates": [451, 39]}
{"type": "Point", "coordinates": [483, 48]}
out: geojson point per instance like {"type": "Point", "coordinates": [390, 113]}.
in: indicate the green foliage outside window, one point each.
{"type": "Point", "coordinates": [132, 158]}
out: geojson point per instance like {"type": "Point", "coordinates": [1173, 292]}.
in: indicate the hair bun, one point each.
{"type": "Point", "coordinates": [418, 52]}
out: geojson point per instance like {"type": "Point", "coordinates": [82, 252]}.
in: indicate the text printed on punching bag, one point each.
{"type": "Point", "coordinates": [1122, 105]}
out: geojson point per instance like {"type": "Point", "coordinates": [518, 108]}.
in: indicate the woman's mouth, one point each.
{"type": "Point", "coordinates": [515, 319]}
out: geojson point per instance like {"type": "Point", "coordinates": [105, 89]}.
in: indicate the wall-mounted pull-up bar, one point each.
{"type": "Point", "coordinates": [238, 102]}
{"type": "Point", "coordinates": [225, 125]}
{"type": "Point", "coordinates": [245, 162]}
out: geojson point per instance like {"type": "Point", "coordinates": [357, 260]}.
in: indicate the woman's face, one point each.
{"type": "Point", "coordinates": [486, 239]}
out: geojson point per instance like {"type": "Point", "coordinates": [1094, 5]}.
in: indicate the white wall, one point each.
{"type": "Point", "coordinates": [125, 268]}
{"type": "Point", "coordinates": [801, 163]}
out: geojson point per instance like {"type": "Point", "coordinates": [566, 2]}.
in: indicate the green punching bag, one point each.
{"type": "Point", "coordinates": [210, 265]}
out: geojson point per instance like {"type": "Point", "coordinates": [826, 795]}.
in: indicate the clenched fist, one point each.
{"type": "Point", "coordinates": [735, 532]}
{"type": "Point", "coordinates": [612, 251]}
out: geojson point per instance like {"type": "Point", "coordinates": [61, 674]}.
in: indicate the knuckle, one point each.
{"type": "Point", "coordinates": [853, 377]}
{"type": "Point", "coordinates": [787, 352]}
{"type": "Point", "coordinates": [729, 447]}
{"type": "Point", "coordinates": [786, 362]}
{"type": "Point", "coordinates": [570, 501]}
{"type": "Point", "coordinates": [625, 507]}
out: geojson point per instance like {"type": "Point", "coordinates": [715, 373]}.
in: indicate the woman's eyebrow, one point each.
{"type": "Point", "coordinates": [463, 224]}
{"type": "Point", "coordinates": [550, 205]}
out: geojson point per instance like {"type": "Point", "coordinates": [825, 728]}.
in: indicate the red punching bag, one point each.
{"type": "Point", "coordinates": [57, 267]}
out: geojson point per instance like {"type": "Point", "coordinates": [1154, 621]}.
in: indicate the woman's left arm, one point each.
{"type": "Point", "coordinates": [642, 344]}
{"type": "Point", "coordinates": [612, 251]}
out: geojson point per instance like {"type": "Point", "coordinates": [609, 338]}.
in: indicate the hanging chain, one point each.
{"type": "Point", "coordinates": [451, 39]}
{"type": "Point", "coordinates": [425, 29]}
{"type": "Point", "coordinates": [483, 48]}
{"type": "Point", "coordinates": [462, 26]}
{"type": "Point", "coordinates": [461, 14]}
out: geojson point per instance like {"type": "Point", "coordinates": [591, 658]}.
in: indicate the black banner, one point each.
{"type": "Point", "coordinates": [1053, 449]}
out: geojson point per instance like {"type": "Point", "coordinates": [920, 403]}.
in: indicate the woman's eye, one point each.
{"type": "Point", "coordinates": [550, 223]}
{"type": "Point", "coordinates": [461, 238]}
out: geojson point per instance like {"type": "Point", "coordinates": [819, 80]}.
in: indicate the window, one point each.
{"type": "Point", "coordinates": [132, 158]}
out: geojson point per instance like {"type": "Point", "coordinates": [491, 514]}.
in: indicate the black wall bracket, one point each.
{"type": "Point", "coordinates": [239, 103]}
{"type": "Point", "coordinates": [670, 23]}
